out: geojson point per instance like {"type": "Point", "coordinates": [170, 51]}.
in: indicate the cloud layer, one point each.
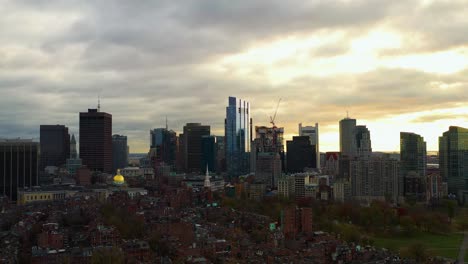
{"type": "Point", "coordinates": [182, 59]}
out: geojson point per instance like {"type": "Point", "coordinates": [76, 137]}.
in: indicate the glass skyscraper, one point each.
{"type": "Point", "coordinates": [238, 135]}
{"type": "Point", "coordinates": [453, 158]}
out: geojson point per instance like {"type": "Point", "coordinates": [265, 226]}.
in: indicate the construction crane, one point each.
{"type": "Point", "coordinates": [272, 119]}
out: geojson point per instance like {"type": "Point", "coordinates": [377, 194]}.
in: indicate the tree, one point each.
{"type": "Point", "coordinates": [107, 256]}
{"type": "Point", "coordinates": [418, 252]}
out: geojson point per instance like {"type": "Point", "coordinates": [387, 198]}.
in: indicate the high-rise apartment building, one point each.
{"type": "Point", "coordinates": [19, 166]}
{"type": "Point", "coordinates": [238, 136]}
{"type": "Point", "coordinates": [348, 137]}
{"type": "Point", "coordinates": [192, 143]}
{"type": "Point", "coordinates": [119, 152]}
{"type": "Point", "coordinates": [55, 145]}
{"type": "Point", "coordinates": [96, 140]}
{"type": "Point", "coordinates": [453, 158]}
{"type": "Point", "coordinates": [413, 155]}
{"type": "Point", "coordinates": [313, 133]}
{"type": "Point", "coordinates": [375, 178]}
{"type": "Point", "coordinates": [301, 154]}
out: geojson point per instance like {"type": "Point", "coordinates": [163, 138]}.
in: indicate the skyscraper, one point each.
{"type": "Point", "coordinates": [208, 153]}
{"type": "Point", "coordinates": [453, 158]}
{"type": "Point", "coordinates": [119, 152]}
{"type": "Point", "coordinates": [165, 143]}
{"type": "Point", "coordinates": [192, 142]}
{"type": "Point", "coordinates": [238, 131]}
{"type": "Point", "coordinates": [55, 145]}
{"type": "Point", "coordinates": [313, 133]}
{"type": "Point", "coordinates": [363, 142]}
{"type": "Point", "coordinates": [96, 140]}
{"type": "Point", "coordinates": [412, 180]}
{"type": "Point", "coordinates": [19, 166]}
{"type": "Point", "coordinates": [348, 137]}
{"type": "Point", "coordinates": [300, 154]}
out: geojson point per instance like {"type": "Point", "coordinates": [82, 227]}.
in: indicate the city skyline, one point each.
{"type": "Point", "coordinates": [184, 60]}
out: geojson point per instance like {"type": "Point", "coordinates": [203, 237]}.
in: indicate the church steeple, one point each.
{"type": "Point", "coordinates": [207, 183]}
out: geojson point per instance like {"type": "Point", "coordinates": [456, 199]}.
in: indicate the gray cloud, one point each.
{"type": "Point", "coordinates": [143, 57]}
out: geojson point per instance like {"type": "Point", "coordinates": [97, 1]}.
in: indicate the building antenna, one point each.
{"type": "Point", "coordinates": [166, 123]}
{"type": "Point", "coordinates": [347, 114]}
{"type": "Point", "coordinates": [99, 103]}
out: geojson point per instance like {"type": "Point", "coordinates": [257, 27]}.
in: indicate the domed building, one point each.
{"type": "Point", "coordinates": [119, 179]}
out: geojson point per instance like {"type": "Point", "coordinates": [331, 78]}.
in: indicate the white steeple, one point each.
{"type": "Point", "coordinates": [207, 183]}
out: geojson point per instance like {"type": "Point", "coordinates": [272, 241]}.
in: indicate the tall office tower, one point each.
{"type": "Point", "coordinates": [413, 155]}
{"type": "Point", "coordinates": [19, 166]}
{"type": "Point", "coordinates": [74, 162]}
{"type": "Point", "coordinates": [73, 151]}
{"type": "Point", "coordinates": [300, 154]}
{"type": "Point", "coordinates": [165, 143]}
{"type": "Point", "coordinates": [375, 178]}
{"type": "Point", "coordinates": [453, 158]}
{"type": "Point", "coordinates": [348, 137]}
{"type": "Point", "coordinates": [208, 153]}
{"type": "Point", "coordinates": [313, 133]}
{"type": "Point", "coordinates": [238, 135]}
{"type": "Point", "coordinates": [363, 142]}
{"type": "Point", "coordinates": [119, 152]}
{"type": "Point", "coordinates": [96, 140]}
{"type": "Point", "coordinates": [220, 154]}
{"type": "Point", "coordinates": [55, 145]}
{"type": "Point", "coordinates": [193, 133]}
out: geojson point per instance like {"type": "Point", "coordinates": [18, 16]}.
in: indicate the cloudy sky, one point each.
{"type": "Point", "coordinates": [394, 65]}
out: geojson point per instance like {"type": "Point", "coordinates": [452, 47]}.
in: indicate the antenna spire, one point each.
{"type": "Point", "coordinates": [99, 103]}
{"type": "Point", "coordinates": [166, 123]}
{"type": "Point", "coordinates": [347, 114]}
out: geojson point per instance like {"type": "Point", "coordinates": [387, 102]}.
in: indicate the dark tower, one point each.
{"type": "Point", "coordinates": [55, 145]}
{"type": "Point", "coordinates": [19, 160]}
{"type": "Point", "coordinates": [96, 140]}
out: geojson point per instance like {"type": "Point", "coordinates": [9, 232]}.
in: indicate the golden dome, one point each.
{"type": "Point", "coordinates": [119, 179]}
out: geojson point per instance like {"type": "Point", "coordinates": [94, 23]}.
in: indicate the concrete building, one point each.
{"type": "Point", "coordinates": [313, 133]}
{"type": "Point", "coordinates": [238, 136]}
{"type": "Point", "coordinates": [55, 145]}
{"type": "Point", "coordinates": [332, 163]}
{"type": "Point", "coordinates": [96, 140]}
{"type": "Point", "coordinates": [375, 178]}
{"type": "Point", "coordinates": [119, 152]}
{"type": "Point", "coordinates": [453, 158]}
{"type": "Point", "coordinates": [300, 154]}
{"type": "Point", "coordinates": [192, 143]}
{"type": "Point", "coordinates": [19, 166]}
{"type": "Point", "coordinates": [342, 191]}
{"type": "Point", "coordinates": [268, 168]}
